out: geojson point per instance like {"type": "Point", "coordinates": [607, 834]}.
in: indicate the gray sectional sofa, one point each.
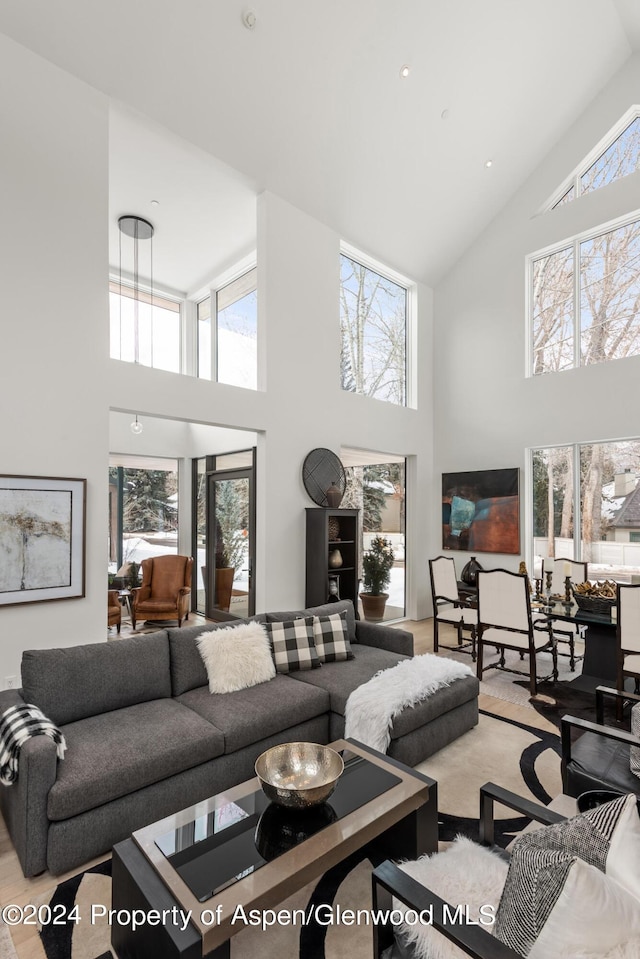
{"type": "Point", "coordinates": [146, 738]}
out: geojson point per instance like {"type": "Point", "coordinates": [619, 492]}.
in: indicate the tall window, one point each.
{"type": "Point", "coordinates": [585, 301]}
{"type": "Point", "coordinates": [233, 352]}
{"type": "Point", "coordinates": [618, 159]}
{"type": "Point", "coordinates": [143, 509]}
{"type": "Point", "coordinates": [604, 530]}
{"type": "Point", "coordinates": [144, 332]}
{"type": "Point", "coordinates": [378, 491]}
{"type": "Point", "coordinates": [373, 323]}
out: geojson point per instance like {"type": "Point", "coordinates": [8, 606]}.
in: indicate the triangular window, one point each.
{"type": "Point", "coordinates": [615, 157]}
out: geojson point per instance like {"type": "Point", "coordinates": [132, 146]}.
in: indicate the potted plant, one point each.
{"type": "Point", "coordinates": [376, 569]}
{"type": "Point", "coordinates": [230, 539]}
{"type": "Point", "coordinates": [225, 573]}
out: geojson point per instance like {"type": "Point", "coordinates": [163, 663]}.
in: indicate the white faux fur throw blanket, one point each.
{"type": "Point", "coordinates": [371, 708]}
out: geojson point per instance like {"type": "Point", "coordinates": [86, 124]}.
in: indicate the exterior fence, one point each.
{"type": "Point", "coordinates": [603, 553]}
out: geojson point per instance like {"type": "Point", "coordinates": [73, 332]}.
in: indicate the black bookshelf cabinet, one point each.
{"type": "Point", "coordinates": [322, 542]}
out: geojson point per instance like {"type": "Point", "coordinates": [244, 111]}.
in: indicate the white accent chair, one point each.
{"type": "Point", "coordinates": [504, 621]}
{"type": "Point", "coordinates": [448, 607]}
{"type": "Point", "coordinates": [567, 633]}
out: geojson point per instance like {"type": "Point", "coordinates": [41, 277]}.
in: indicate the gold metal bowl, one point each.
{"type": "Point", "coordinates": [299, 775]}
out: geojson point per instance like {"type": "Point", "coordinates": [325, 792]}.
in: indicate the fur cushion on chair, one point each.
{"type": "Point", "coordinates": [465, 874]}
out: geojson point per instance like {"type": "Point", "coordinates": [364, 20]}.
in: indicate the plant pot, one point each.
{"type": "Point", "coordinates": [373, 606]}
{"type": "Point", "coordinates": [224, 586]}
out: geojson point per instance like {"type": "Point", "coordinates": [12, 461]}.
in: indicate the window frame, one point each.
{"type": "Point", "coordinates": [576, 449]}
{"type": "Point", "coordinates": [573, 180]}
{"type": "Point", "coordinates": [211, 292]}
{"type": "Point", "coordinates": [252, 288]}
{"type": "Point", "coordinates": [573, 242]}
{"type": "Point", "coordinates": [410, 323]}
{"type": "Point", "coordinates": [156, 297]}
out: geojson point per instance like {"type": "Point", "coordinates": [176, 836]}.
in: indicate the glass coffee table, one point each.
{"type": "Point", "coordinates": [206, 868]}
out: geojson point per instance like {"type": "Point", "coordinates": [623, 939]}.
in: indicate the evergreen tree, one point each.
{"type": "Point", "coordinates": [146, 500]}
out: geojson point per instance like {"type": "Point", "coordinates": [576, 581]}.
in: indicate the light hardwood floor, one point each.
{"type": "Point", "coordinates": [14, 888]}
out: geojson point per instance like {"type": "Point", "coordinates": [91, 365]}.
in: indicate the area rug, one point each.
{"type": "Point", "coordinates": [509, 686]}
{"type": "Point", "coordinates": [555, 700]}
{"type": "Point", "coordinates": [506, 752]}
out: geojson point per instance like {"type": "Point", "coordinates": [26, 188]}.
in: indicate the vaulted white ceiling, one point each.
{"type": "Point", "coordinates": [310, 105]}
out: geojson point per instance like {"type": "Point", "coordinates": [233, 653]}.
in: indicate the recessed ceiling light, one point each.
{"type": "Point", "coordinates": [488, 163]}
{"type": "Point", "coordinates": [444, 115]}
{"type": "Point", "coordinates": [155, 203]}
{"type": "Point", "coordinates": [249, 19]}
{"type": "Point", "coordinates": [405, 71]}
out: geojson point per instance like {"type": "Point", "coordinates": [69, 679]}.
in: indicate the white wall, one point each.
{"type": "Point", "coordinates": [59, 383]}
{"type": "Point", "coordinates": [53, 365]}
{"type": "Point", "coordinates": [301, 404]}
{"type": "Point", "coordinates": [487, 412]}
{"type": "Point", "coordinates": [298, 280]}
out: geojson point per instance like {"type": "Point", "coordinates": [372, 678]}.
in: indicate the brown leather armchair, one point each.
{"type": "Point", "coordinates": [165, 591]}
{"type": "Point", "coordinates": [114, 609]}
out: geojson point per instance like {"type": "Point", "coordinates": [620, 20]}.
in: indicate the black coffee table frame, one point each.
{"type": "Point", "coordinates": [137, 884]}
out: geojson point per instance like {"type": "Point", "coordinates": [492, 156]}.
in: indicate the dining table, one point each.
{"type": "Point", "coordinates": [599, 666]}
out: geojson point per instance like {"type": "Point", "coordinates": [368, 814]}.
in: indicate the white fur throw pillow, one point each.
{"type": "Point", "coordinates": [465, 873]}
{"type": "Point", "coordinates": [236, 657]}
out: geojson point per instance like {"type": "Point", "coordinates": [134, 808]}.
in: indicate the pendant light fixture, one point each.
{"type": "Point", "coordinates": [136, 427]}
{"type": "Point", "coordinates": [139, 231]}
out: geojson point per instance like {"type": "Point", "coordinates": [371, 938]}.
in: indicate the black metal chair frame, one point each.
{"type": "Point", "coordinates": [457, 602]}
{"type": "Point", "coordinates": [389, 881]}
{"type": "Point", "coordinates": [569, 723]}
{"type": "Point", "coordinates": [534, 626]}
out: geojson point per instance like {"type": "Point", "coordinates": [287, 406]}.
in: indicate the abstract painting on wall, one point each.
{"type": "Point", "coordinates": [481, 511]}
{"type": "Point", "coordinates": [42, 538]}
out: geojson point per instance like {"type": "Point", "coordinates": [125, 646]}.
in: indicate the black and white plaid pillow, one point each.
{"type": "Point", "coordinates": [292, 645]}
{"type": "Point", "coordinates": [331, 638]}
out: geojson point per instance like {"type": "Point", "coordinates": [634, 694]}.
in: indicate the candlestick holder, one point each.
{"type": "Point", "coordinates": [538, 583]}
{"type": "Point", "coordinates": [549, 577]}
{"type": "Point", "coordinates": [567, 590]}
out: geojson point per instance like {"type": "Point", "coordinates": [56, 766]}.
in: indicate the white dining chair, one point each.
{"type": "Point", "coordinates": [449, 607]}
{"type": "Point", "coordinates": [628, 634]}
{"type": "Point", "coordinates": [505, 621]}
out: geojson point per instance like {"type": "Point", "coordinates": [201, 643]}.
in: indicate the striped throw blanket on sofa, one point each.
{"type": "Point", "coordinates": [17, 724]}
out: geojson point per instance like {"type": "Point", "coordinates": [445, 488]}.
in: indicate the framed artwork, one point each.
{"type": "Point", "coordinates": [42, 538]}
{"type": "Point", "coordinates": [481, 511]}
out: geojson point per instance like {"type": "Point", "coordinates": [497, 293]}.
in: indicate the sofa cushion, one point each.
{"type": "Point", "coordinates": [187, 668]}
{"type": "Point", "coordinates": [442, 701]}
{"type": "Point", "coordinates": [79, 681]}
{"type": "Point", "coordinates": [327, 609]}
{"type": "Point", "coordinates": [340, 679]}
{"type": "Point", "coordinates": [119, 752]}
{"type": "Point", "coordinates": [249, 715]}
